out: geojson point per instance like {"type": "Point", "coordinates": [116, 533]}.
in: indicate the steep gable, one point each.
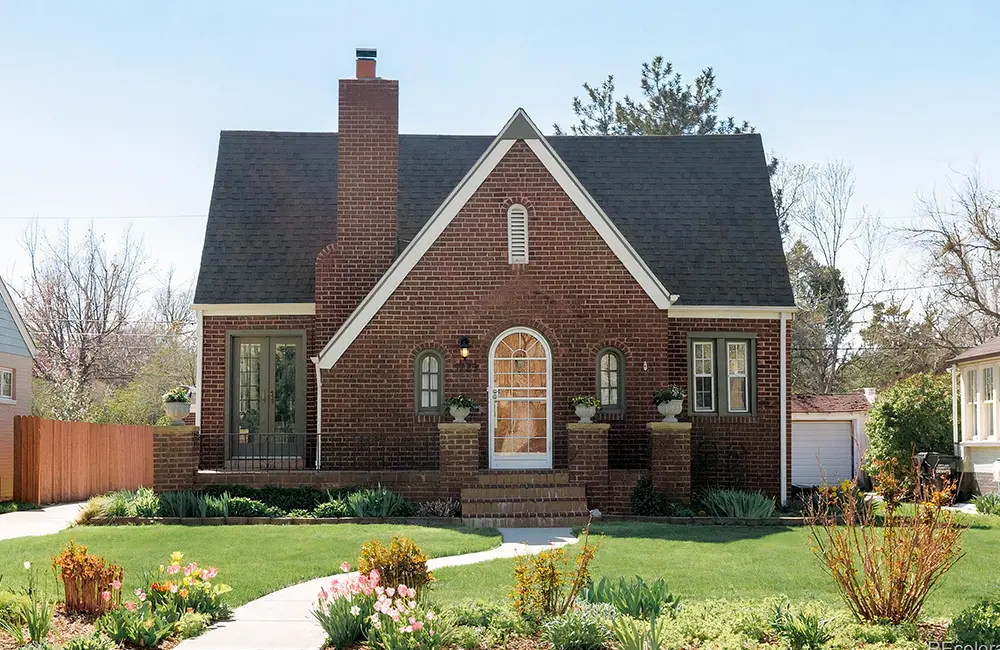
{"type": "Point", "coordinates": [14, 336]}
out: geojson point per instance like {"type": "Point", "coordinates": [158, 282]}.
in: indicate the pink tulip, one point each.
{"type": "Point", "coordinates": [106, 595]}
{"type": "Point", "coordinates": [172, 569]}
{"type": "Point", "coordinates": [130, 606]}
{"type": "Point", "coordinates": [117, 584]}
{"type": "Point", "coordinates": [345, 567]}
{"type": "Point", "coordinates": [173, 588]}
{"type": "Point", "coordinates": [430, 616]}
{"type": "Point", "coordinates": [390, 592]}
{"type": "Point", "coordinates": [417, 625]}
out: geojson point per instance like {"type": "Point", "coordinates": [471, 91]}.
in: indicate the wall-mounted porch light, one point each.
{"type": "Point", "coordinates": [463, 343]}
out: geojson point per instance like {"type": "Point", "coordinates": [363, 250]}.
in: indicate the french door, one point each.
{"type": "Point", "coordinates": [520, 401]}
{"type": "Point", "coordinates": [267, 397]}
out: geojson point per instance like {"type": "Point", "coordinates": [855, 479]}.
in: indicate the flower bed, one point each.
{"type": "Point", "coordinates": [277, 521]}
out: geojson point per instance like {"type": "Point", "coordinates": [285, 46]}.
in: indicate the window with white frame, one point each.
{"type": "Point", "coordinates": [989, 402]}
{"type": "Point", "coordinates": [517, 234]}
{"type": "Point", "coordinates": [971, 419]}
{"type": "Point", "coordinates": [723, 373]}
{"type": "Point", "coordinates": [704, 376]}
{"type": "Point", "coordinates": [429, 382]}
{"type": "Point", "coordinates": [736, 357]}
{"type": "Point", "coordinates": [6, 383]}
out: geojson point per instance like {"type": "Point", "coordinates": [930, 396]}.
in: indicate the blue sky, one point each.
{"type": "Point", "coordinates": [114, 108]}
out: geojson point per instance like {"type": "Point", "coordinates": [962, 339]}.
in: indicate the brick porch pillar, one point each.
{"type": "Point", "coordinates": [670, 459]}
{"type": "Point", "coordinates": [459, 451]}
{"type": "Point", "coordinates": [175, 458]}
{"type": "Point", "coordinates": [588, 461]}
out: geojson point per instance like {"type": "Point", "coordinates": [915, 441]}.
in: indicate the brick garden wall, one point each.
{"type": "Point", "coordinates": [175, 458]}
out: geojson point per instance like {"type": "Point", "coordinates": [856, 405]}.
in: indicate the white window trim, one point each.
{"type": "Point", "coordinates": [988, 422]}
{"type": "Point", "coordinates": [517, 218]}
{"type": "Point", "coordinates": [970, 403]}
{"type": "Point", "coordinates": [711, 375]}
{"type": "Point", "coordinates": [745, 376]}
{"type": "Point", "coordinates": [12, 399]}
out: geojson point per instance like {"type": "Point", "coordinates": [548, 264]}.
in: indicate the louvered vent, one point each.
{"type": "Point", "coordinates": [517, 235]}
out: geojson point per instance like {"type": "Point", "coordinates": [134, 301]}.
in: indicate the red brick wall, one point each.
{"type": "Point", "coordinates": [577, 294]}
{"type": "Point", "coordinates": [175, 458]}
{"type": "Point", "coordinates": [213, 374]}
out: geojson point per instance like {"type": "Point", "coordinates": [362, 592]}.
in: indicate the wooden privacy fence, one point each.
{"type": "Point", "coordinates": [56, 461]}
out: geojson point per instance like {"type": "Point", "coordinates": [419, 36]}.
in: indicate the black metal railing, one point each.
{"type": "Point", "coordinates": [258, 452]}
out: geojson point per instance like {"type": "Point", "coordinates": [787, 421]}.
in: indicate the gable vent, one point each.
{"type": "Point", "coordinates": [517, 234]}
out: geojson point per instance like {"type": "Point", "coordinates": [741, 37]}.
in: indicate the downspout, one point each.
{"type": "Point", "coordinates": [199, 333]}
{"type": "Point", "coordinates": [954, 411]}
{"type": "Point", "coordinates": [319, 410]}
{"type": "Point", "coordinates": [783, 394]}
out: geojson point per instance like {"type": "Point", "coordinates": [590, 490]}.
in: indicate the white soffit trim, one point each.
{"type": "Point", "coordinates": [696, 311]}
{"type": "Point", "coordinates": [257, 309]}
{"type": "Point", "coordinates": [16, 315]}
{"type": "Point", "coordinates": [518, 127]}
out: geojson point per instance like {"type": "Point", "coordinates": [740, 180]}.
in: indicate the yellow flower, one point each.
{"type": "Point", "coordinates": [161, 568]}
{"type": "Point", "coordinates": [176, 556]}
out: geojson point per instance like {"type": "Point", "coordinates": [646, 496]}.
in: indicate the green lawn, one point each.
{"type": "Point", "coordinates": [254, 560]}
{"type": "Point", "coordinates": [703, 562]}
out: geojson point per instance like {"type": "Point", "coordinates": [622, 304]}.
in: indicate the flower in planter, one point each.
{"type": "Point", "coordinates": [179, 394]}
{"type": "Point", "coordinates": [462, 401]}
{"type": "Point", "coordinates": [668, 394]}
{"type": "Point", "coordinates": [585, 400]}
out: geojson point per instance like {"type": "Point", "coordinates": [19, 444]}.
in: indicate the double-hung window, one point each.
{"type": "Point", "coordinates": [989, 402]}
{"type": "Point", "coordinates": [6, 384]}
{"type": "Point", "coordinates": [971, 418]}
{"type": "Point", "coordinates": [722, 373]}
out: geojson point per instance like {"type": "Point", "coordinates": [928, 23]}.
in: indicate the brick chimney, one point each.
{"type": "Point", "coordinates": [367, 174]}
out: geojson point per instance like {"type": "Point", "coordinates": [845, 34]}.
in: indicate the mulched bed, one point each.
{"type": "Point", "coordinates": [69, 625]}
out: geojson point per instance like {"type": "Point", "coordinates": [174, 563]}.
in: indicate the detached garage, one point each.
{"type": "Point", "coordinates": [828, 437]}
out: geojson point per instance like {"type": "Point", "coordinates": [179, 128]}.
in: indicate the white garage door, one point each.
{"type": "Point", "coordinates": [821, 449]}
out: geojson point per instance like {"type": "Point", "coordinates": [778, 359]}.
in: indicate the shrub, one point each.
{"type": "Point", "coordinates": [143, 503]}
{"type": "Point", "coordinates": [440, 508]}
{"type": "Point", "coordinates": [541, 580]}
{"type": "Point", "coordinates": [987, 504]}
{"type": "Point", "coordinates": [12, 608]}
{"type": "Point", "coordinates": [191, 624]}
{"type": "Point", "coordinates": [93, 641]}
{"type": "Point", "coordinates": [246, 507]}
{"type": "Point", "coordinates": [217, 506]}
{"type": "Point", "coordinates": [182, 504]}
{"type": "Point", "coordinates": [298, 514]}
{"type": "Point", "coordinates": [89, 582]}
{"type": "Point", "coordinates": [138, 624]}
{"type": "Point", "coordinates": [490, 622]}
{"type": "Point", "coordinates": [979, 624]}
{"type": "Point", "coordinates": [188, 588]}
{"type": "Point", "coordinates": [400, 563]}
{"type": "Point", "coordinates": [344, 611]}
{"type": "Point", "coordinates": [803, 630]}
{"type": "Point", "coordinates": [378, 502]}
{"type": "Point", "coordinates": [886, 566]}
{"type": "Point", "coordinates": [646, 500]}
{"type": "Point", "coordinates": [331, 509]}
{"type": "Point", "coordinates": [577, 630]}
{"type": "Point", "coordinates": [912, 415]}
{"type": "Point", "coordinates": [632, 634]}
{"type": "Point", "coordinates": [737, 503]}
{"type": "Point", "coordinates": [635, 598]}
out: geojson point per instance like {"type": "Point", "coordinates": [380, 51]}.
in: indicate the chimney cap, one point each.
{"type": "Point", "coordinates": [367, 53]}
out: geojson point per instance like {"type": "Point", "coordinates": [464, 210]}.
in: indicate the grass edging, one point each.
{"type": "Point", "coordinates": [711, 521]}
{"type": "Point", "coordinates": [279, 521]}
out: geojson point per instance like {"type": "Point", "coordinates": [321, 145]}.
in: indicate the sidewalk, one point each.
{"type": "Point", "coordinates": [31, 523]}
{"type": "Point", "coordinates": [283, 621]}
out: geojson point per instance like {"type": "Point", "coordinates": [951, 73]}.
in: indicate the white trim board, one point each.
{"type": "Point", "coordinates": [518, 127]}
{"type": "Point", "coordinates": [257, 309]}
{"type": "Point", "coordinates": [18, 321]}
{"type": "Point", "coordinates": [721, 311]}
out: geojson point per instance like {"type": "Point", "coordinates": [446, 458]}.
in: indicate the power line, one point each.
{"type": "Point", "coordinates": [120, 216]}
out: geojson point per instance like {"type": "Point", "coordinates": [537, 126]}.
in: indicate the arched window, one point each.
{"type": "Point", "coordinates": [517, 234]}
{"type": "Point", "coordinates": [611, 380]}
{"type": "Point", "coordinates": [429, 382]}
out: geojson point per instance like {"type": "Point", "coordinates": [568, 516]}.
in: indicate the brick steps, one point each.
{"type": "Point", "coordinates": [521, 499]}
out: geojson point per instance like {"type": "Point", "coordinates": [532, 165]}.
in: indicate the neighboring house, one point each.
{"type": "Point", "coordinates": [828, 436]}
{"type": "Point", "coordinates": [16, 353]}
{"type": "Point", "coordinates": [976, 418]}
{"type": "Point", "coordinates": [350, 282]}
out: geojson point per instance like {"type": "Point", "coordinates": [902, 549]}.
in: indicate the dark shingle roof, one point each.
{"type": "Point", "coordinates": [830, 403]}
{"type": "Point", "coordinates": [698, 209]}
{"type": "Point", "coordinates": [990, 348]}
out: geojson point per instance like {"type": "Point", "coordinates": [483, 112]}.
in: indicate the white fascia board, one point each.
{"type": "Point", "coordinates": [257, 309]}
{"type": "Point", "coordinates": [18, 321]}
{"type": "Point", "coordinates": [760, 313]}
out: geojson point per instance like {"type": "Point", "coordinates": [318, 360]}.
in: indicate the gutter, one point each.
{"type": "Point", "coordinates": [783, 390]}
{"type": "Point", "coordinates": [319, 410]}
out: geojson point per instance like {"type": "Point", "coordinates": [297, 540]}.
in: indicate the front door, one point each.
{"type": "Point", "coordinates": [520, 401]}
{"type": "Point", "coordinates": [267, 400]}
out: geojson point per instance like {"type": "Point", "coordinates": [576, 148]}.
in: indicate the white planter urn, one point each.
{"type": "Point", "coordinates": [669, 410]}
{"type": "Point", "coordinates": [585, 413]}
{"type": "Point", "coordinates": [459, 413]}
{"type": "Point", "coordinates": [177, 411]}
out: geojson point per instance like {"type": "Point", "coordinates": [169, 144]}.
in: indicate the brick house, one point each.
{"type": "Point", "coordinates": [350, 282]}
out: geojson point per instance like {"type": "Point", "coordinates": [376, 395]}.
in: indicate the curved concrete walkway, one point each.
{"type": "Point", "coordinates": [45, 521]}
{"type": "Point", "coordinates": [282, 620]}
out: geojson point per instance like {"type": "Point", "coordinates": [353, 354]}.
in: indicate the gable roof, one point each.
{"type": "Point", "coordinates": [697, 210]}
{"type": "Point", "coordinates": [830, 403]}
{"type": "Point", "coordinates": [14, 335]}
{"type": "Point", "coordinates": [990, 348]}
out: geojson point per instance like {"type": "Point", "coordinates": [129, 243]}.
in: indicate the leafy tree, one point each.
{"type": "Point", "coordinates": [913, 415]}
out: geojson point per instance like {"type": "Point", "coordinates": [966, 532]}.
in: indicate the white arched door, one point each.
{"type": "Point", "coordinates": [520, 401]}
